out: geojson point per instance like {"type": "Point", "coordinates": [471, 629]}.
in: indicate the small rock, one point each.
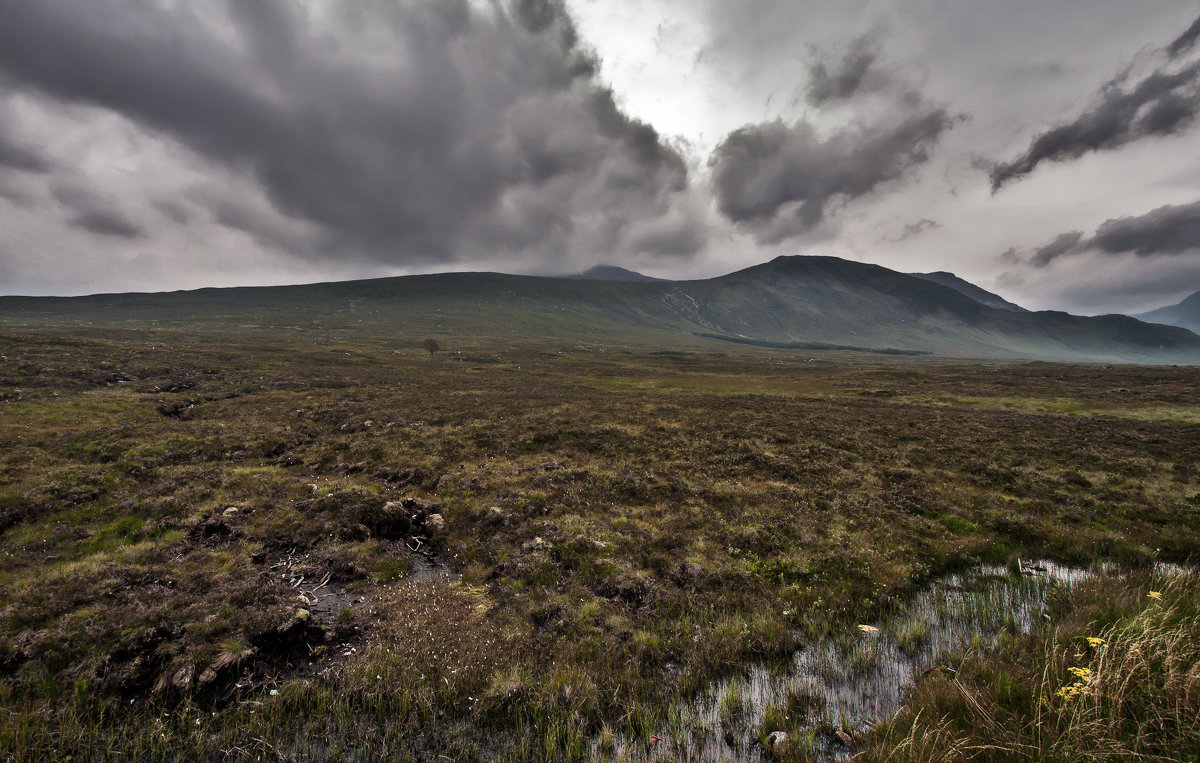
{"type": "Point", "coordinates": [435, 523]}
{"type": "Point", "coordinates": [868, 629]}
{"type": "Point", "coordinates": [299, 618]}
{"type": "Point", "coordinates": [777, 741]}
{"type": "Point", "coordinates": [208, 676]}
{"type": "Point", "coordinates": [534, 545]}
{"type": "Point", "coordinates": [844, 738]}
{"type": "Point", "coordinates": [183, 677]}
{"type": "Point", "coordinates": [229, 512]}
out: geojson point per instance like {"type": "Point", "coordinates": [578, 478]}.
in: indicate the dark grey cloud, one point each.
{"type": "Point", "coordinates": [173, 211]}
{"type": "Point", "coordinates": [407, 132]}
{"type": "Point", "coordinates": [1169, 230]}
{"type": "Point", "coordinates": [855, 72]}
{"type": "Point", "coordinates": [913, 229]}
{"type": "Point", "coordinates": [1185, 41]}
{"type": "Point", "coordinates": [1165, 230]}
{"type": "Point", "coordinates": [1164, 102]}
{"type": "Point", "coordinates": [1063, 243]}
{"type": "Point", "coordinates": [20, 156]}
{"type": "Point", "coordinates": [779, 180]}
{"type": "Point", "coordinates": [106, 223]}
{"type": "Point", "coordinates": [90, 212]}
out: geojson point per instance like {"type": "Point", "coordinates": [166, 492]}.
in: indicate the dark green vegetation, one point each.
{"type": "Point", "coordinates": [1185, 314]}
{"type": "Point", "coordinates": [971, 290]}
{"type": "Point", "coordinates": [1116, 677]}
{"type": "Point", "coordinates": [792, 301]}
{"type": "Point", "coordinates": [628, 525]}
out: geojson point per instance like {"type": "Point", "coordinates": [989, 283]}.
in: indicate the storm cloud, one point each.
{"type": "Point", "coordinates": [1167, 230]}
{"type": "Point", "coordinates": [18, 156]}
{"type": "Point", "coordinates": [106, 223]}
{"type": "Point", "coordinates": [1164, 102]}
{"type": "Point", "coordinates": [1185, 41]}
{"type": "Point", "coordinates": [779, 180]}
{"type": "Point", "coordinates": [1064, 243]}
{"type": "Point", "coordinates": [418, 131]}
{"type": "Point", "coordinates": [855, 72]}
{"type": "Point", "coordinates": [911, 230]}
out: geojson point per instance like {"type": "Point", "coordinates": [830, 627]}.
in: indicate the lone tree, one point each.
{"type": "Point", "coordinates": [431, 346]}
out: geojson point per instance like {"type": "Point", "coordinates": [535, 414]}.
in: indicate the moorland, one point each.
{"type": "Point", "coordinates": [254, 546]}
{"type": "Point", "coordinates": [477, 517]}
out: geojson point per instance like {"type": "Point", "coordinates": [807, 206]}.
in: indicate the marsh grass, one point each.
{"type": "Point", "coordinates": [630, 526]}
{"type": "Point", "coordinates": [1112, 676]}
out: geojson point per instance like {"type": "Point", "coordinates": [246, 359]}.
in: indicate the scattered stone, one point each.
{"type": "Point", "coordinates": [183, 677]}
{"type": "Point", "coordinates": [777, 741]}
{"type": "Point", "coordinates": [299, 619]}
{"type": "Point", "coordinates": [208, 676]}
{"type": "Point", "coordinates": [537, 544]}
{"type": "Point", "coordinates": [844, 738]}
{"type": "Point", "coordinates": [870, 630]}
{"type": "Point", "coordinates": [435, 523]}
{"type": "Point", "coordinates": [230, 512]}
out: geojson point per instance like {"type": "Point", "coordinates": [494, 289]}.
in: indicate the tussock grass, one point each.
{"type": "Point", "coordinates": [1114, 677]}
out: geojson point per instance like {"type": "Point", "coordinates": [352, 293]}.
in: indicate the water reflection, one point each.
{"type": "Point", "coordinates": [838, 687]}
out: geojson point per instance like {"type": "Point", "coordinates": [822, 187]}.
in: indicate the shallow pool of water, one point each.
{"type": "Point", "coordinates": [853, 680]}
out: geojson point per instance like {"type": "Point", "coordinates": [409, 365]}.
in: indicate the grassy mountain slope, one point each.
{"type": "Point", "coordinates": [802, 301]}
{"type": "Point", "coordinates": [1185, 314]}
{"type": "Point", "coordinates": [971, 290]}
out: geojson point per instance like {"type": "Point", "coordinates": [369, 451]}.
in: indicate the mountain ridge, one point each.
{"type": "Point", "coordinates": [966, 288]}
{"type": "Point", "coordinates": [1185, 314]}
{"type": "Point", "coordinates": [791, 301]}
{"type": "Point", "coordinates": [612, 273]}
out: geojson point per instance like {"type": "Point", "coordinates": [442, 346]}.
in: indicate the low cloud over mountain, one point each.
{"type": "Point", "coordinates": [1169, 230]}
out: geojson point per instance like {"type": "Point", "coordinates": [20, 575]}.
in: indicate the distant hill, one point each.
{"type": "Point", "coordinates": [971, 290]}
{"type": "Point", "coordinates": [612, 273]}
{"type": "Point", "coordinates": [1185, 314]}
{"type": "Point", "coordinates": [796, 302]}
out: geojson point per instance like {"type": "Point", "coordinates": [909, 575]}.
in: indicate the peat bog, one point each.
{"type": "Point", "coordinates": [227, 546]}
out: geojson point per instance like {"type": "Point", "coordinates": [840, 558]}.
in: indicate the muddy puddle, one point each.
{"type": "Point", "coordinates": [328, 600]}
{"type": "Point", "coordinates": [839, 687]}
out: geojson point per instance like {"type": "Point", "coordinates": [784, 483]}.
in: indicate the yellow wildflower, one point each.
{"type": "Point", "coordinates": [1095, 641]}
{"type": "Point", "coordinates": [1156, 595]}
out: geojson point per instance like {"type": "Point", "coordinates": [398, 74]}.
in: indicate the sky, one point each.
{"type": "Point", "coordinates": [1049, 152]}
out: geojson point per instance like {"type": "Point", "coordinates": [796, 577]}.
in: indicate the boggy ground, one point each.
{"type": "Point", "coordinates": [207, 540]}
